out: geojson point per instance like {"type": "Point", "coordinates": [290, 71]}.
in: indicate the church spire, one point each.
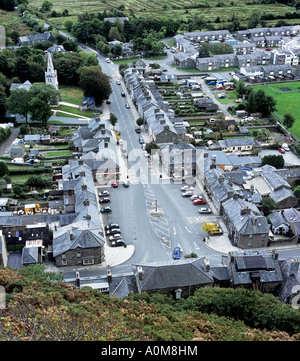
{"type": "Point", "coordinates": [51, 73]}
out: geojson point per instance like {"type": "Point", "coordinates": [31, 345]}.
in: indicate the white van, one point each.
{"type": "Point", "coordinates": [285, 147]}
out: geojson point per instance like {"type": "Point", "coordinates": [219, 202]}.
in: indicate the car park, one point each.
{"type": "Point", "coordinates": [141, 140]}
{"type": "Point", "coordinates": [187, 194]}
{"type": "Point", "coordinates": [176, 253]}
{"type": "Point", "coordinates": [204, 210]}
{"type": "Point", "coordinates": [122, 94]}
{"type": "Point", "coordinates": [281, 150]}
{"type": "Point", "coordinates": [110, 232]}
{"type": "Point", "coordinates": [105, 210]}
{"type": "Point", "coordinates": [111, 226]}
{"type": "Point", "coordinates": [127, 106]}
{"type": "Point", "coordinates": [199, 201]}
{"type": "Point", "coordinates": [104, 194]}
{"type": "Point", "coordinates": [115, 184]}
{"type": "Point", "coordinates": [118, 243]}
{"type": "Point", "coordinates": [104, 200]}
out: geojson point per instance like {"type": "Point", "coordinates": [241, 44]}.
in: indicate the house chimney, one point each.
{"type": "Point", "coordinates": [221, 178]}
{"type": "Point", "coordinates": [77, 279]}
{"type": "Point", "coordinates": [84, 187]}
{"type": "Point", "coordinates": [86, 202]}
{"type": "Point", "coordinates": [275, 254]}
{"type": "Point", "coordinates": [71, 236]}
{"type": "Point", "coordinates": [294, 267]}
{"type": "Point", "coordinates": [140, 272]}
{"type": "Point", "coordinates": [231, 256]}
{"type": "Point", "coordinates": [230, 181]}
{"type": "Point", "coordinates": [207, 265]}
{"type": "Point", "coordinates": [109, 276]}
{"type": "Point", "coordinates": [82, 174]}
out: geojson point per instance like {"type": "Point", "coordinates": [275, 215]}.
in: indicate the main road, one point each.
{"type": "Point", "coordinates": [154, 238]}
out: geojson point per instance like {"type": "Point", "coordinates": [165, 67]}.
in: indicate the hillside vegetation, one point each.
{"type": "Point", "coordinates": [41, 307]}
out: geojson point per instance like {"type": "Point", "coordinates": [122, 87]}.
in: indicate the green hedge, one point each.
{"type": "Point", "coordinates": [30, 171]}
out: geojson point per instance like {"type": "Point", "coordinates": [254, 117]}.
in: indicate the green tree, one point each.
{"type": "Point", "coordinates": [3, 100]}
{"type": "Point", "coordinates": [139, 121]}
{"type": "Point", "coordinates": [276, 161]}
{"type": "Point", "coordinates": [151, 146]}
{"type": "Point", "coordinates": [288, 120]}
{"type": "Point", "coordinates": [47, 5]}
{"type": "Point", "coordinates": [95, 83]}
{"type": "Point", "coordinates": [18, 102]}
{"type": "Point", "coordinates": [268, 205]}
{"type": "Point", "coordinates": [3, 169]}
{"type": "Point", "coordinates": [114, 33]}
{"type": "Point", "coordinates": [36, 182]}
{"type": "Point", "coordinates": [68, 24]}
{"type": "Point", "coordinates": [113, 120]}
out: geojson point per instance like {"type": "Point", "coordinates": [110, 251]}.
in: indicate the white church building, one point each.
{"type": "Point", "coordinates": [51, 73]}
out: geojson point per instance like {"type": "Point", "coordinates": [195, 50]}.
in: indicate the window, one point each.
{"type": "Point", "coordinates": [78, 254]}
{"type": "Point", "coordinates": [88, 261]}
{"type": "Point", "coordinates": [64, 262]}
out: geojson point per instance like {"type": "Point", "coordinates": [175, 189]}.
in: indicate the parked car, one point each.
{"type": "Point", "coordinates": [104, 200]}
{"type": "Point", "coordinates": [285, 147]}
{"type": "Point", "coordinates": [204, 210]}
{"type": "Point", "coordinates": [146, 154]}
{"type": "Point", "coordinates": [176, 253]}
{"type": "Point", "coordinates": [118, 243]}
{"type": "Point", "coordinates": [199, 201]}
{"type": "Point", "coordinates": [110, 232]}
{"type": "Point", "coordinates": [281, 150]}
{"type": "Point", "coordinates": [115, 184]}
{"type": "Point", "coordinates": [186, 188]}
{"type": "Point", "coordinates": [164, 70]}
{"type": "Point", "coordinates": [108, 101]}
{"type": "Point", "coordinates": [114, 237]}
{"type": "Point", "coordinates": [111, 226]}
{"type": "Point", "coordinates": [104, 194]}
{"type": "Point", "coordinates": [126, 184]}
{"type": "Point", "coordinates": [137, 130]}
{"type": "Point", "coordinates": [187, 194]}
{"type": "Point", "coordinates": [118, 82]}
{"type": "Point", "coordinates": [105, 210]}
{"type": "Point", "coordinates": [268, 49]}
{"type": "Point", "coordinates": [107, 60]}
{"type": "Point", "coordinates": [195, 196]}
{"type": "Point", "coordinates": [127, 106]}
{"type": "Point", "coordinates": [141, 140]}
{"type": "Point", "coordinates": [122, 94]}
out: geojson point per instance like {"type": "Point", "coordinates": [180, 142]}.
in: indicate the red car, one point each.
{"type": "Point", "coordinates": [229, 88]}
{"type": "Point", "coordinates": [199, 201]}
{"type": "Point", "coordinates": [104, 200]}
{"type": "Point", "coordinates": [281, 150]}
{"type": "Point", "coordinates": [115, 184]}
{"type": "Point", "coordinates": [268, 49]}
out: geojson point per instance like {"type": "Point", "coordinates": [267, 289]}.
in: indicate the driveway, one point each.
{"type": "Point", "coordinates": [5, 146]}
{"type": "Point", "coordinates": [289, 157]}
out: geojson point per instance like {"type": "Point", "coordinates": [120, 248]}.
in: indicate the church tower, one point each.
{"type": "Point", "coordinates": [51, 73]}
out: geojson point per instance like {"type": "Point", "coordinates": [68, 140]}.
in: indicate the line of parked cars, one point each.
{"type": "Point", "coordinates": [197, 199]}
{"type": "Point", "coordinates": [113, 234]}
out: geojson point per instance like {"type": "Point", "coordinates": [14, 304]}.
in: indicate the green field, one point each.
{"type": "Point", "coordinates": [287, 102]}
{"type": "Point", "coordinates": [174, 9]}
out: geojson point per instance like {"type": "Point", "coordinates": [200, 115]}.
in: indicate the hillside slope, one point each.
{"type": "Point", "coordinates": [41, 307]}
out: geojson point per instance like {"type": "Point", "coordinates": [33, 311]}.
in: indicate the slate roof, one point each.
{"type": "Point", "coordinates": [292, 215]}
{"type": "Point", "coordinates": [83, 238]}
{"type": "Point", "coordinates": [259, 264]}
{"type": "Point", "coordinates": [246, 223]}
{"type": "Point", "coordinates": [30, 255]}
{"type": "Point", "coordinates": [180, 274]}
{"type": "Point", "coordinates": [277, 219]}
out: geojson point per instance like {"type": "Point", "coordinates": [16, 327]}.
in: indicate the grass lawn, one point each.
{"type": "Point", "coordinates": [74, 112]}
{"type": "Point", "coordinates": [64, 153]}
{"type": "Point", "coordinates": [287, 102]}
{"type": "Point", "coordinates": [71, 94]}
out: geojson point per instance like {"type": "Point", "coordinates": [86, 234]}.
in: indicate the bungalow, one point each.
{"type": "Point", "coordinates": [238, 144]}
{"type": "Point", "coordinates": [34, 38]}
{"type": "Point", "coordinates": [180, 279]}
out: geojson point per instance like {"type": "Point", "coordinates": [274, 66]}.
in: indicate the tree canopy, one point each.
{"type": "Point", "coordinates": [94, 83]}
